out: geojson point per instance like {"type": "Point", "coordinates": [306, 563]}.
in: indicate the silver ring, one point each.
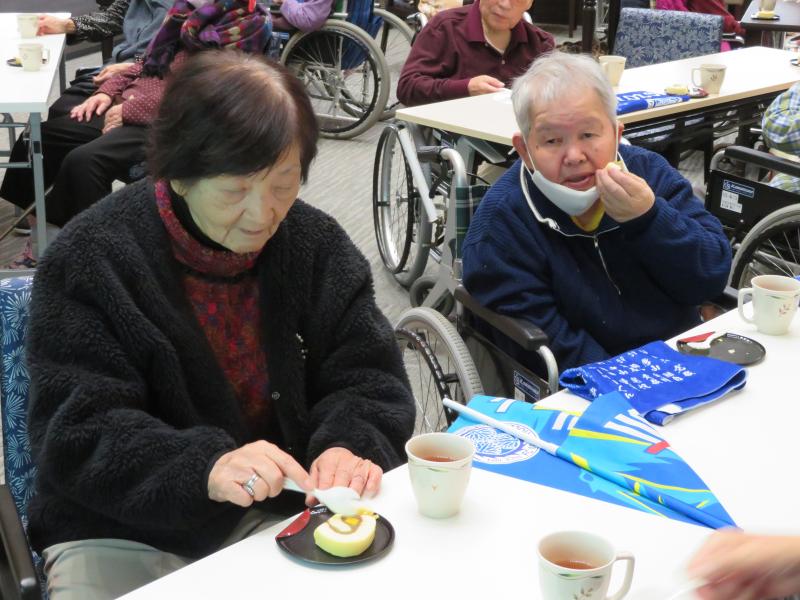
{"type": "Point", "coordinates": [248, 486]}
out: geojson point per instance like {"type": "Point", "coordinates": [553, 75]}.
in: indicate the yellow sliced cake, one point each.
{"type": "Point", "coordinates": [346, 536]}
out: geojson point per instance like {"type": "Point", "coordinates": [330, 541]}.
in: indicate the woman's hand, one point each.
{"type": "Point", "coordinates": [113, 118]}
{"type": "Point", "coordinates": [340, 467]}
{"type": "Point", "coordinates": [50, 24]}
{"type": "Point", "coordinates": [261, 458]}
{"type": "Point", "coordinates": [625, 196]}
{"type": "Point", "coordinates": [747, 567]}
{"type": "Point", "coordinates": [96, 104]}
{"type": "Point", "coordinates": [109, 71]}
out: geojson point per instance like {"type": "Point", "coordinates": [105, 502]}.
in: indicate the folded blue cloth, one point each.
{"type": "Point", "coordinates": [658, 381]}
{"type": "Point", "coordinates": [632, 101]}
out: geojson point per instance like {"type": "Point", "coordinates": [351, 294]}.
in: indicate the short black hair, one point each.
{"type": "Point", "coordinates": [225, 112]}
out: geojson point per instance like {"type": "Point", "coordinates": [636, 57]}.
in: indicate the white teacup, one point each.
{"type": "Point", "coordinates": [31, 56]}
{"type": "Point", "coordinates": [775, 299]}
{"type": "Point", "coordinates": [578, 564]}
{"type": "Point", "coordinates": [767, 5]}
{"type": "Point", "coordinates": [612, 66]}
{"type": "Point", "coordinates": [711, 77]}
{"type": "Point", "coordinates": [27, 25]}
{"type": "Point", "coordinates": [439, 465]}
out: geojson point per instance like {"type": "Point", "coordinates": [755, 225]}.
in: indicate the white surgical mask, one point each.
{"type": "Point", "coordinates": [571, 201]}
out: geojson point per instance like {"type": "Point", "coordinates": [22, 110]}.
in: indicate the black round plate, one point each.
{"type": "Point", "coordinates": [731, 347]}
{"type": "Point", "coordinates": [298, 539]}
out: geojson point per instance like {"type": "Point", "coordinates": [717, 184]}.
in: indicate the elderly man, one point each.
{"type": "Point", "coordinates": [602, 256]}
{"type": "Point", "coordinates": [471, 50]}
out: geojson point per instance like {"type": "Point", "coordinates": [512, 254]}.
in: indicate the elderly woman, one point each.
{"type": "Point", "coordinates": [475, 49]}
{"type": "Point", "coordinates": [101, 139]}
{"type": "Point", "coordinates": [197, 337]}
{"type": "Point", "coordinates": [603, 256]}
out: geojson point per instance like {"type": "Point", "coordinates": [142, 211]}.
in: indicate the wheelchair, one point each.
{"type": "Point", "coordinates": [761, 222]}
{"type": "Point", "coordinates": [478, 351]}
{"type": "Point", "coordinates": [344, 69]}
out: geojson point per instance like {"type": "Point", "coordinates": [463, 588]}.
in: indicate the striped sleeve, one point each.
{"type": "Point", "coordinates": [101, 24]}
{"type": "Point", "coordinates": [781, 122]}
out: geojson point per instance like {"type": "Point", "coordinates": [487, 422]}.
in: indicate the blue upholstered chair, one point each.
{"type": "Point", "coordinates": [647, 36]}
{"type": "Point", "coordinates": [18, 575]}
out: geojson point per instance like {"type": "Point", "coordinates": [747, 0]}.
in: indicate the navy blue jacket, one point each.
{"type": "Point", "coordinates": [658, 267]}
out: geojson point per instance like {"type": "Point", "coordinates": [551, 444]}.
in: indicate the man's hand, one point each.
{"type": "Point", "coordinates": [49, 24]}
{"type": "Point", "coordinates": [93, 105]}
{"type": "Point", "coordinates": [113, 118]}
{"type": "Point", "coordinates": [484, 84]}
{"type": "Point", "coordinates": [624, 195]}
{"type": "Point", "coordinates": [111, 70]}
{"type": "Point", "coordinates": [747, 567]}
{"type": "Point", "coordinates": [340, 467]}
{"type": "Point", "coordinates": [235, 468]}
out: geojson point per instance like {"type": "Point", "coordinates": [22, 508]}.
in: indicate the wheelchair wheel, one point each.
{"type": "Point", "coordinates": [394, 38]}
{"type": "Point", "coordinates": [403, 237]}
{"type": "Point", "coordinates": [345, 75]}
{"type": "Point", "coordinates": [438, 364]}
{"type": "Point", "coordinates": [771, 247]}
{"type": "Point", "coordinates": [420, 289]}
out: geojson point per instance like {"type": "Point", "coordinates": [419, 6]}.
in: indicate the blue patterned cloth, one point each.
{"type": "Point", "coordinates": [633, 101]}
{"type": "Point", "coordinates": [647, 36]}
{"type": "Point", "coordinates": [20, 472]}
{"type": "Point", "coordinates": [658, 381]}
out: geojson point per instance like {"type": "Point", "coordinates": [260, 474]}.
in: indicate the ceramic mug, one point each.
{"type": "Point", "coordinates": [31, 56]}
{"type": "Point", "coordinates": [439, 466]}
{"type": "Point", "coordinates": [775, 299]}
{"type": "Point", "coordinates": [767, 5]}
{"type": "Point", "coordinates": [27, 25]}
{"type": "Point", "coordinates": [578, 564]}
{"type": "Point", "coordinates": [711, 77]}
{"type": "Point", "coordinates": [613, 66]}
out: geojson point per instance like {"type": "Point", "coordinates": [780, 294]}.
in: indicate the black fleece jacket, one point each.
{"type": "Point", "coordinates": [129, 407]}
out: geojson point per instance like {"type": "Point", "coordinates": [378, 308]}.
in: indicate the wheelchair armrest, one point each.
{"type": "Point", "coordinates": [17, 554]}
{"type": "Point", "coordinates": [763, 159]}
{"type": "Point", "coordinates": [526, 334]}
{"type": "Point", "coordinates": [732, 38]}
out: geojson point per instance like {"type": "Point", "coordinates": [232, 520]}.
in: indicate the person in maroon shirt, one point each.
{"type": "Point", "coordinates": [471, 50]}
{"type": "Point", "coordinates": [717, 7]}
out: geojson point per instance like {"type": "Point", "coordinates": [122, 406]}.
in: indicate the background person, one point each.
{"type": "Point", "coordinates": [747, 567]}
{"type": "Point", "coordinates": [602, 259]}
{"type": "Point", "coordinates": [781, 131]}
{"type": "Point", "coordinates": [196, 337]}
{"type": "Point", "coordinates": [475, 49]}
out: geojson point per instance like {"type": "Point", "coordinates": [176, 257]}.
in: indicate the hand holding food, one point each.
{"type": "Point", "coordinates": [340, 467]}
{"type": "Point", "coordinates": [624, 195]}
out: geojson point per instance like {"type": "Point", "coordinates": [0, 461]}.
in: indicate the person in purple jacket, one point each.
{"type": "Point", "coordinates": [471, 50]}
{"type": "Point", "coordinates": [602, 257]}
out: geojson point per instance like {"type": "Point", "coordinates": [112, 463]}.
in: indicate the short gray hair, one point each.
{"type": "Point", "coordinates": [553, 76]}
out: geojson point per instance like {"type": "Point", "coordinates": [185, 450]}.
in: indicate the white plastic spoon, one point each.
{"type": "Point", "coordinates": [339, 499]}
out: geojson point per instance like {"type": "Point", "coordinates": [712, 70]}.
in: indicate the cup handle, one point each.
{"type": "Point", "coordinates": [695, 70]}
{"type": "Point", "coordinates": [626, 584]}
{"type": "Point", "coordinates": [744, 293]}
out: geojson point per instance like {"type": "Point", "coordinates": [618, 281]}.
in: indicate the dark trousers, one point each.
{"type": "Point", "coordinates": [79, 90]}
{"type": "Point", "coordinates": [80, 162]}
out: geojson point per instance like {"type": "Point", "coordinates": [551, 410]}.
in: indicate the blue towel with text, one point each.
{"type": "Point", "coordinates": [633, 101]}
{"type": "Point", "coordinates": [659, 382]}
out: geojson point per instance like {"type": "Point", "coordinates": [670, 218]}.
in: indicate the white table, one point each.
{"type": "Point", "coordinates": [751, 72]}
{"type": "Point", "coordinates": [29, 92]}
{"type": "Point", "coordinates": [489, 549]}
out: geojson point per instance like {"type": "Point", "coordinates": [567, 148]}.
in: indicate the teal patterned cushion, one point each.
{"type": "Point", "coordinates": [647, 36]}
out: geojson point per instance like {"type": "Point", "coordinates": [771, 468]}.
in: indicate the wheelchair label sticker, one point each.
{"type": "Point", "coordinates": [525, 389]}
{"type": "Point", "coordinates": [729, 198]}
{"type": "Point", "coordinates": [495, 447]}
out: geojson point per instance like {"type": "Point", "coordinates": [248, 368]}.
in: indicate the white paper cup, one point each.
{"type": "Point", "coordinates": [27, 25]}
{"type": "Point", "coordinates": [613, 67]}
{"type": "Point", "coordinates": [711, 77]}
{"type": "Point", "coordinates": [439, 465]}
{"type": "Point", "coordinates": [31, 56]}
{"type": "Point", "coordinates": [775, 299]}
{"type": "Point", "coordinates": [578, 564]}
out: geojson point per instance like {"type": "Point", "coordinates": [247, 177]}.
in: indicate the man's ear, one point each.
{"type": "Point", "coordinates": [519, 145]}
{"type": "Point", "coordinates": [620, 129]}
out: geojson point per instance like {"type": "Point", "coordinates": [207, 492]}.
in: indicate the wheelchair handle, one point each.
{"type": "Point", "coordinates": [762, 159]}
